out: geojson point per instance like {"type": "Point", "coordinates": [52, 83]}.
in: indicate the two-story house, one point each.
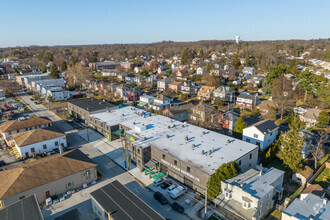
{"type": "Point", "coordinates": [133, 95]}
{"type": "Point", "coordinates": [247, 101]}
{"type": "Point", "coordinates": [249, 70]}
{"type": "Point", "coordinates": [228, 121]}
{"type": "Point", "coordinates": [161, 102]}
{"type": "Point", "coordinates": [203, 113]}
{"type": "Point", "coordinates": [205, 92]}
{"type": "Point", "coordinates": [175, 86]}
{"type": "Point", "coordinates": [162, 84]}
{"type": "Point", "coordinates": [224, 93]}
{"type": "Point", "coordinates": [251, 195]}
{"type": "Point", "coordinates": [310, 117]}
{"type": "Point", "coordinates": [262, 133]}
{"type": "Point", "coordinates": [122, 90]}
{"type": "Point", "coordinates": [188, 88]}
{"type": "Point", "coordinates": [145, 101]}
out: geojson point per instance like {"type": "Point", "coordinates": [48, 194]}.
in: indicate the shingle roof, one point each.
{"type": "Point", "coordinates": [206, 89]}
{"type": "Point", "coordinates": [43, 171]}
{"type": "Point", "coordinates": [122, 203]}
{"type": "Point", "coordinates": [16, 125]}
{"type": "Point", "coordinates": [91, 104]}
{"type": "Point", "coordinates": [312, 113]}
{"type": "Point", "coordinates": [35, 136]}
{"type": "Point", "coordinates": [27, 209]}
{"type": "Point", "coordinates": [265, 126]}
{"type": "Point", "coordinates": [316, 189]}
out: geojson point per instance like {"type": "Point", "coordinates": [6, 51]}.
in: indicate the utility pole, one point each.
{"type": "Point", "coordinates": [87, 131]}
{"type": "Point", "coordinates": [205, 211]}
{"type": "Point", "coordinates": [121, 141]}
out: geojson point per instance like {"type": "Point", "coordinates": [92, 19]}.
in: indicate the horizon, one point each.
{"type": "Point", "coordinates": [100, 22]}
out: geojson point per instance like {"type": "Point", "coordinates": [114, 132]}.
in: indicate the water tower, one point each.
{"type": "Point", "coordinates": [237, 38]}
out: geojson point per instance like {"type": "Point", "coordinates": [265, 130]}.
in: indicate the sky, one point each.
{"type": "Point", "coordinates": [77, 22]}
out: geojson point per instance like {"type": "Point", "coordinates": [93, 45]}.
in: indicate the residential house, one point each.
{"type": "Point", "coordinates": [265, 106]}
{"type": "Point", "coordinates": [145, 101]}
{"type": "Point", "coordinates": [311, 207]}
{"type": "Point", "coordinates": [205, 92]}
{"type": "Point", "coordinates": [52, 175]}
{"type": "Point", "coordinates": [162, 84]}
{"type": "Point", "coordinates": [114, 201]}
{"type": "Point", "coordinates": [58, 95]}
{"type": "Point", "coordinates": [14, 127]}
{"type": "Point", "coordinates": [315, 189]}
{"type": "Point", "coordinates": [251, 195]}
{"type": "Point", "coordinates": [130, 78]}
{"type": "Point", "coordinates": [203, 113]}
{"type": "Point", "coordinates": [310, 118]}
{"type": "Point", "coordinates": [161, 102]}
{"type": "Point", "coordinates": [188, 88]}
{"type": "Point", "coordinates": [133, 95]}
{"type": "Point", "coordinates": [38, 141]}
{"type": "Point", "coordinates": [175, 86]}
{"type": "Point", "coordinates": [302, 177]}
{"type": "Point", "coordinates": [181, 71]}
{"type": "Point", "coordinates": [180, 112]}
{"type": "Point", "coordinates": [249, 70]}
{"type": "Point", "coordinates": [122, 90]}
{"type": "Point", "coordinates": [262, 133]}
{"type": "Point", "coordinates": [224, 93]}
{"type": "Point", "coordinates": [228, 121]}
{"type": "Point", "coordinates": [216, 70]}
{"type": "Point", "coordinates": [201, 71]}
{"type": "Point", "coordinates": [247, 101]}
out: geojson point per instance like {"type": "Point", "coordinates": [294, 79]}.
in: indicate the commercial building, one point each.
{"type": "Point", "coordinates": [38, 141]}
{"type": "Point", "coordinates": [82, 108]}
{"type": "Point", "coordinates": [48, 176]}
{"type": "Point", "coordinates": [26, 208]}
{"type": "Point", "coordinates": [115, 201]}
{"type": "Point", "coordinates": [251, 195]}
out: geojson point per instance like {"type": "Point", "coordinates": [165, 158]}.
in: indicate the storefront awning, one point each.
{"type": "Point", "coordinates": [151, 164]}
{"type": "Point", "coordinates": [118, 132]}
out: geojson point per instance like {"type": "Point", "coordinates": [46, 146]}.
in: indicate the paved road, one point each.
{"type": "Point", "coordinates": [109, 170]}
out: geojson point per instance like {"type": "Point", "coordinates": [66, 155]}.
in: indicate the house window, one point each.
{"type": "Point", "coordinates": [88, 174]}
{"type": "Point", "coordinates": [255, 135]}
{"type": "Point", "coordinates": [56, 143]}
{"type": "Point", "coordinates": [258, 143]}
{"type": "Point", "coordinates": [228, 195]}
{"type": "Point", "coordinates": [246, 205]}
{"type": "Point", "coordinates": [138, 150]}
{"type": "Point", "coordinates": [9, 132]}
{"type": "Point", "coordinates": [271, 133]}
{"type": "Point", "coordinates": [175, 162]}
{"type": "Point", "coordinates": [22, 197]}
{"type": "Point", "coordinates": [44, 147]}
{"type": "Point", "coordinates": [239, 162]}
{"type": "Point", "coordinates": [163, 156]}
{"type": "Point", "coordinates": [33, 150]}
{"type": "Point", "coordinates": [39, 126]}
{"type": "Point", "coordinates": [251, 156]}
{"type": "Point", "coordinates": [248, 140]}
{"type": "Point", "coordinates": [17, 131]}
{"type": "Point", "coordinates": [35, 127]}
{"type": "Point", "coordinates": [26, 129]}
{"type": "Point", "coordinates": [188, 169]}
{"type": "Point", "coordinates": [69, 184]}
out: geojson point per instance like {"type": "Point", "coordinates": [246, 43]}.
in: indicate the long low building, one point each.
{"type": "Point", "coordinates": [183, 151]}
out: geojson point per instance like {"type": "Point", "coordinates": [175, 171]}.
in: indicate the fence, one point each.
{"type": "Point", "coordinates": [317, 173]}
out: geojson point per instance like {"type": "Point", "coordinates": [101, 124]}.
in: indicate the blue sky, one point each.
{"type": "Point", "coordinates": [74, 22]}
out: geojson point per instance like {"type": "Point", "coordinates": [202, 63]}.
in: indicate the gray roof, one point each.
{"type": "Point", "coordinates": [222, 89]}
{"type": "Point", "coordinates": [122, 203]}
{"type": "Point", "coordinates": [311, 206]}
{"type": "Point", "coordinates": [92, 104]}
{"type": "Point", "coordinates": [231, 116]}
{"type": "Point", "coordinates": [265, 126]}
{"type": "Point", "coordinates": [27, 209]}
{"type": "Point", "coordinates": [246, 96]}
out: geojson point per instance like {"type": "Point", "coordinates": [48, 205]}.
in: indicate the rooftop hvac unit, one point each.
{"type": "Point", "coordinates": [193, 145]}
{"type": "Point", "coordinates": [168, 127]}
{"type": "Point", "coordinates": [210, 152]}
{"type": "Point", "coordinates": [182, 125]}
{"type": "Point", "coordinates": [186, 138]}
{"type": "Point", "coordinates": [203, 152]}
{"type": "Point", "coordinates": [203, 132]}
{"type": "Point", "coordinates": [168, 136]}
{"type": "Point", "coordinates": [228, 141]}
{"type": "Point", "coordinates": [122, 115]}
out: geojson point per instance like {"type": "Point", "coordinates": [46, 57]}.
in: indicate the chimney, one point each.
{"type": "Point", "coordinates": [260, 172]}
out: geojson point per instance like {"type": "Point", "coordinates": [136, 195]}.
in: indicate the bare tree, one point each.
{"type": "Point", "coordinates": [316, 150]}
{"type": "Point", "coordinates": [77, 75]}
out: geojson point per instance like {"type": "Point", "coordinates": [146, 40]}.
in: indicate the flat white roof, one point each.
{"type": "Point", "coordinates": [117, 116]}
{"type": "Point", "coordinates": [201, 148]}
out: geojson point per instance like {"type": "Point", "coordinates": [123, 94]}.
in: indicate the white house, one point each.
{"type": "Point", "coordinates": [201, 70]}
{"type": "Point", "coordinates": [161, 102]}
{"type": "Point", "coordinates": [262, 133]}
{"type": "Point", "coordinates": [58, 95]}
{"type": "Point", "coordinates": [249, 70]}
{"type": "Point", "coordinates": [38, 141]}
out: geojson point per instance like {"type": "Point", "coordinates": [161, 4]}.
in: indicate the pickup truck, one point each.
{"type": "Point", "coordinates": [177, 192]}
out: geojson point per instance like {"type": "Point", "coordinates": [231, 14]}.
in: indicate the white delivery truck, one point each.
{"type": "Point", "coordinates": [177, 192]}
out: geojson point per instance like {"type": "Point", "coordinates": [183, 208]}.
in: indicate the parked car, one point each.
{"type": "Point", "coordinates": [166, 184]}
{"type": "Point", "coordinates": [31, 99]}
{"type": "Point", "coordinates": [177, 192]}
{"type": "Point", "coordinates": [157, 182]}
{"type": "Point", "coordinates": [177, 207]}
{"type": "Point", "coordinates": [2, 163]}
{"type": "Point", "coordinates": [160, 197]}
{"type": "Point", "coordinates": [173, 186]}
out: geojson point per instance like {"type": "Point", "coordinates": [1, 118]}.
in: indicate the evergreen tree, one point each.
{"type": "Point", "coordinates": [323, 119]}
{"type": "Point", "coordinates": [224, 172]}
{"type": "Point", "coordinates": [291, 142]}
{"type": "Point", "coordinates": [201, 53]}
{"type": "Point", "coordinates": [54, 71]}
{"type": "Point", "coordinates": [186, 56]}
{"type": "Point", "coordinates": [237, 62]}
{"type": "Point", "coordinates": [238, 129]}
{"type": "Point", "coordinates": [247, 59]}
{"type": "Point", "coordinates": [64, 66]}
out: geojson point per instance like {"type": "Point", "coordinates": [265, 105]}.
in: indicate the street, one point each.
{"type": "Point", "coordinates": [106, 167]}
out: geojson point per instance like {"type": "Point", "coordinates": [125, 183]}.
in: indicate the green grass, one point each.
{"type": "Point", "coordinates": [278, 164]}
{"type": "Point", "coordinates": [325, 174]}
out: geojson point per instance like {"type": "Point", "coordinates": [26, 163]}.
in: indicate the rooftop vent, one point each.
{"type": "Point", "coordinates": [182, 125]}
{"type": "Point", "coordinates": [122, 115]}
{"type": "Point", "coordinates": [186, 138]}
{"type": "Point", "coordinates": [168, 136]}
{"type": "Point", "coordinates": [168, 127]}
{"type": "Point", "coordinates": [228, 141]}
{"type": "Point", "coordinates": [134, 123]}
{"type": "Point", "coordinates": [203, 132]}
{"type": "Point", "coordinates": [193, 145]}
{"type": "Point", "coordinates": [203, 152]}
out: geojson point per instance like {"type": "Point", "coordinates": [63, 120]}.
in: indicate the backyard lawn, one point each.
{"type": "Point", "coordinates": [324, 178]}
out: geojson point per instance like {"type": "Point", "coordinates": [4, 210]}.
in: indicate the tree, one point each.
{"type": "Point", "coordinates": [247, 59]}
{"type": "Point", "coordinates": [77, 75]}
{"type": "Point", "coordinates": [238, 129]}
{"type": "Point", "coordinates": [186, 56]}
{"type": "Point", "coordinates": [274, 73]}
{"type": "Point", "coordinates": [64, 66]}
{"type": "Point", "coordinates": [201, 53]}
{"type": "Point", "coordinates": [307, 82]}
{"type": "Point", "coordinates": [224, 172]}
{"type": "Point", "coordinates": [283, 94]}
{"type": "Point", "coordinates": [237, 62]}
{"type": "Point", "coordinates": [323, 119]}
{"type": "Point", "coordinates": [291, 144]}
{"type": "Point", "coordinates": [54, 72]}
{"type": "Point", "coordinates": [315, 151]}
{"type": "Point", "coordinates": [50, 99]}
{"type": "Point", "coordinates": [271, 153]}
{"type": "Point", "coordinates": [271, 114]}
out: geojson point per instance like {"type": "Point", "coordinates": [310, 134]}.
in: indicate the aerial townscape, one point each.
{"type": "Point", "coordinates": [108, 128]}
